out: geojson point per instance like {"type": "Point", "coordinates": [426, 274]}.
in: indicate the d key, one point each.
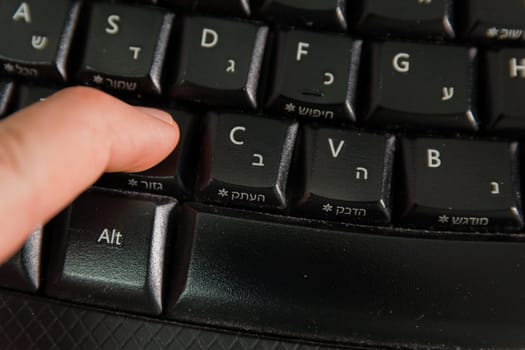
{"type": "Point", "coordinates": [235, 49]}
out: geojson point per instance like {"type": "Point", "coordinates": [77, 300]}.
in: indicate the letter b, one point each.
{"type": "Point", "coordinates": [433, 158]}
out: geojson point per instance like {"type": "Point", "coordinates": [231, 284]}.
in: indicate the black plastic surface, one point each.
{"type": "Point", "coordinates": [30, 323]}
{"type": "Point", "coordinates": [350, 286]}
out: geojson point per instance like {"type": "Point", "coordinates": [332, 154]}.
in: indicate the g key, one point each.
{"type": "Point", "coordinates": [420, 86]}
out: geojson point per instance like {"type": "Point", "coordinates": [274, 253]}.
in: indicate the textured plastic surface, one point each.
{"type": "Point", "coordinates": [33, 323]}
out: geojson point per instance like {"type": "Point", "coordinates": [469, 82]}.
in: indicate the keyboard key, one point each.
{"type": "Point", "coordinates": [347, 176]}
{"type": "Point", "coordinates": [22, 271]}
{"type": "Point", "coordinates": [236, 50]}
{"type": "Point", "coordinates": [172, 177]}
{"type": "Point", "coordinates": [29, 94]}
{"type": "Point", "coordinates": [314, 76]}
{"type": "Point", "coordinates": [505, 76]}
{"type": "Point", "coordinates": [125, 48]}
{"type": "Point", "coordinates": [245, 161]}
{"type": "Point", "coordinates": [34, 41]}
{"type": "Point", "coordinates": [352, 285]}
{"type": "Point", "coordinates": [7, 89]}
{"type": "Point", "coordinates": [407, 19]}
{"type": "Point", "coordinates": [486, 20]}
{"type": "Point", "coordinates": [461, 184]}
{"type": "Point", "coordinates": [421, 86]}
{"type": "Point", "coordinates": [228, 7]}
{"type": "Point", "coordinates": [109, 251]}
{"type": "Point", "coordinates": [321, 14]}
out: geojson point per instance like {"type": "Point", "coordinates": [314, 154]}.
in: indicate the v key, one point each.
{"type": "Point", "coordinates": [335, 151]}
{"type": "Point", "coordinates": [358, 189]}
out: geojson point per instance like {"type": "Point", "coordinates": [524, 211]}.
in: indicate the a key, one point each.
{"type": "Point", "coordinates": [174, 176]}
{"type": "Point", "coordinates": [7, 89]}
{"type": "Point", "coordinates": [347, 176]}
{"type": "Point", "coordinates": [109, 251]}
{"type": "Point", "coordinates": [245, 161]}
{"type": "Point", "coordinates": [405, 18]}
{"type": "Point", "coordinates": [22, 271]}
{"type": "Point", "coordinates": [352, 285]}
{"type": "Point", "coordinates": [227, 7]}
{"type": "Point", "coordinates": [314, 76]}
{"type": "Point", "coordinates": [29, 94]}
{"type": "Point", "coordinates": [320, 14]}
{"type": "Point", "coordinates": [125, 48]}
{"type": "Point", "coordinates": [461, 184]}
{"type": "Point", "coordinates": [421, 86]}
{"type": "Point", "coordinates": [505, 81]}
{"type": "Point", "coordinates": [492, 21]}
{"type": "Point", "coordinates": [34, 41]}
{"type": "Point", "coordinates": [236, 50]}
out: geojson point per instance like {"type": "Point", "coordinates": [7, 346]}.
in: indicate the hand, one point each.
{"type": "Point", "coordinates": [52, 151]}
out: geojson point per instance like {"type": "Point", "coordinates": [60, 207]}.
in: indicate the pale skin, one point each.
{"type": "Point", "coordinates": [53, 150]}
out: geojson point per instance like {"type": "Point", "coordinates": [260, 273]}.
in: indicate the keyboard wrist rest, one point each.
{"type": "Point", "coordinates": [355, 286]}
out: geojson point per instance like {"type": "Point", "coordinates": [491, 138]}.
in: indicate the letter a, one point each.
{"type": "Point", "coordinates": [104, 236]}
{"type": "Point", "coordinates": [23, 12]}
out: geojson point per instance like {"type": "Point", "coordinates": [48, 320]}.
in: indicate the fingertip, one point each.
{"type": "Point", "coordinates": [157, 113]}
{"type": "Point", "coordinates": [165, 117]}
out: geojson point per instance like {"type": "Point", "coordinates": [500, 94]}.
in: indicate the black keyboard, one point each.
{"type": "Point", "coordinates": [348, 176]}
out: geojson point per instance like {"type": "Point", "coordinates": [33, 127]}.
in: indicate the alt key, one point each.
{"type": "Point", "coordinates": [109, 251]}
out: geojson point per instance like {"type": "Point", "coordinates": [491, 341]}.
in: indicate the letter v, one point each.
{"type": "Point", "coordinates": [335, 152]}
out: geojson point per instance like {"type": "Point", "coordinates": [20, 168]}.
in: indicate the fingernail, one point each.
{"type": "Point", "coordinates": [157, 113]}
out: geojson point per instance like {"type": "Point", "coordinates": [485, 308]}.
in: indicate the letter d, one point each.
{"type": "Point", "coordinates": [210, 38]}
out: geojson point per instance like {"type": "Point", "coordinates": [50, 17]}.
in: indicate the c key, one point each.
{"type": "Point", "coordinates": [245, 161]}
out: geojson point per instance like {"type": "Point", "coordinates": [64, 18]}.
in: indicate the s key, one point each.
{"type": "Point", "coordinates": [35, 37]}
{"type": "Point", "coordinates": [125, 48]}
{"type": "Point", "coordinates": [461, 184]}
{"type": "Point", "coordinates": [420, 85]}
{"type": "Point", "coordinates": [245, 161]}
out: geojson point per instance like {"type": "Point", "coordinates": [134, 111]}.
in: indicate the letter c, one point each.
{"type": "Point", "coordinates": [232, 135]}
